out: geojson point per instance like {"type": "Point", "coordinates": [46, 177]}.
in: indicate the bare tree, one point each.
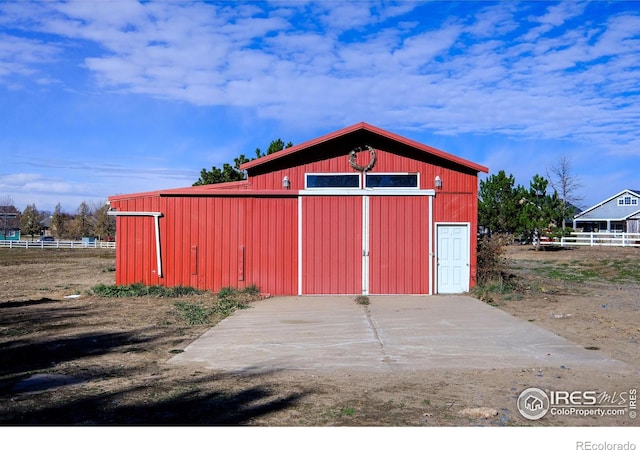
{"type": "Point", "coordinates": [6, 200]}
{"type": "Point", "coordinates": [105, 225]}
{"type": "Point", "coordinates": [82, 225]}
{"type": "Point", "coordinates": [566, 184]}
{"type": "Point", "coordinates": [58, 222]}
{"type": "Point", "coordinates": [30, 221]}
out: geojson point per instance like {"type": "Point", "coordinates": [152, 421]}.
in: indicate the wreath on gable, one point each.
{"type": "Point", "coordinates": [352, 158]}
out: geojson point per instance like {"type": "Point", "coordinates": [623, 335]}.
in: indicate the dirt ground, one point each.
{"type": "Point", "coordinates": [101, 361]}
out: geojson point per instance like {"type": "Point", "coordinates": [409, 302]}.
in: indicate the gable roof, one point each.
{"type": "Point", "coordinates": [370, 130]}
{"type": "Point", "coordinates": [633, 192]}
{"type": "Point", "coordinates": [9, 217]}
{"type": "Point", "coordinates": [242, 188]}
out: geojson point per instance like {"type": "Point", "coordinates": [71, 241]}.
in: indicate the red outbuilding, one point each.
{"type": "Point", "coordinates": [358, 211]}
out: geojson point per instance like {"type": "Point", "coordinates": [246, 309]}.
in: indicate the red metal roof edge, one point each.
{"type": "Point", "coordinates": [227, 186]}
{"type": "Point", "coordinates": [119, 197]}
{"type": "Point", "coordinates": [372, 129]}
{"type": "Point", "coordinates": [230, 193]}
{"type": "Point", "coordinates": [205, 188]}
{"type": "Point", "coordinates": [206, 191]}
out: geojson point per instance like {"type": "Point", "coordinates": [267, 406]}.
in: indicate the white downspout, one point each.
{"type": "Point", "coordinates": [431, 237]}
{"type": "Point", "coordinates": [156, 216]}
{"type": "Point", "coordinates": [299, 245]}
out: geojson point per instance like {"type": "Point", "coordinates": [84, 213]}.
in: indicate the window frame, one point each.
{"type": "Point", "coordinates": [628, 200]}
{"type": "Point", "coordinates": [417, 186]}
{"type": "Point", "coordinates": [306, 180]}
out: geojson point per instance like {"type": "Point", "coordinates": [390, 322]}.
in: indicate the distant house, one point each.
{"type": "Point", "coordinates": [619, 213]}
{"type": "Point", "coordinates": [46, 226]}
{"type": "Point", "coordinates": [9, 223]}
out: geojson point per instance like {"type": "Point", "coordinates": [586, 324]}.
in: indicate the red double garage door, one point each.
{"type": "Point", "coordinates": [365, 245]}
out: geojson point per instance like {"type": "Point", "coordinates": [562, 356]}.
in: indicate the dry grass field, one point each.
{"type": "Point", "coordinates": [92, 360]}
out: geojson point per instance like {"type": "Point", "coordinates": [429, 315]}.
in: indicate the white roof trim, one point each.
{"type": "Point", "coordinates": [604, 219]}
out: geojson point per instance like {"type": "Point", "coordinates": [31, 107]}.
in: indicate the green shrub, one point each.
{"type": "Point", "coordinates": [489, 289]}
{"type": "Point", "coordinates": [140, 290]}
{"type": "Point", "coordinates": [226, 306]}
{"type": "Point", "coordinates": [491, 267]}
{"type": "Point", "coordinates": [227, 292]}
{"type": "Point", "coordinates": [228, 301]}
{"type": "Point", "coordinates": [492, 277]}
{"type": "Point", "coordinates": [194, 314]}
{"type": "Point", "coordinates": [251, 290]}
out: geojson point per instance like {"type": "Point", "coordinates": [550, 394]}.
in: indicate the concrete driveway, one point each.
{"type": "Point", "coordinates": [393, 333]}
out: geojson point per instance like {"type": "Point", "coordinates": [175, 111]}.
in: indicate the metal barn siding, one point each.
{"type": "Point", "coordinates": [399, 245]}
{"type": "Point", "coordinates": [290, 240]}
{"type": "Point", "coordinates": [210, 242]}
{"type": "Point", "coordinates": [202, 238]}
{"type": "Point", "coordinates": [271, 244]}
{"type": "Point", "coordinates": [136, 260]}
{"type": "Point", "coordinates": [331, 245]}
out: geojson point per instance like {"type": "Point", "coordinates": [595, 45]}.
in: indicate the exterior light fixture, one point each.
{"type": "Point", "coordinates": [438, 182]}
{"type": "Point", "coordinates": [286, 184]}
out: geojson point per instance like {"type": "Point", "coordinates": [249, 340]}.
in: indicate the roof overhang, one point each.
{"type": "Point", "coordinates": [359, 127]}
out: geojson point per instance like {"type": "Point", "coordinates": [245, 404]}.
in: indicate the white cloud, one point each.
{"type": "Point", "coordinates": [20, 56]}
{"type": "Point", "coordinates": [34, 182]}
{"type": "Point", "coordinates": [533, 70]}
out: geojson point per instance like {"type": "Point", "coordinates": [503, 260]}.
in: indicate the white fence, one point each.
{"type": "Point", "coordinates": [598, 239]}
{"type": "Point", "coordinates": [56, 244]}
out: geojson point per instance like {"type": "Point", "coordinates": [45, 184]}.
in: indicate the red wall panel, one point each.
{"type": "Point", "coordinates": [332, 245]}
{"type": "Point", "coordinates": [271, 244]}
{"type": "Point", "coordinates": [399, 245]}
{"type": "Point", "coordinates": [135, 253]}
{"type": "Point", "coordinates": [211, 242]}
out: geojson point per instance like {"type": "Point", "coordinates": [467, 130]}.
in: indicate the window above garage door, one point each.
{"type": "Point", "coordinates": [354, 181]}
{"type": "Point", "coordinates": [392, 180]}
{"type": "Point", "coordinates": [332, 180]}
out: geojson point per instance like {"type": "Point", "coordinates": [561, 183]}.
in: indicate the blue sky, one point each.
{"type": "Point", "coordinates": [104, 97]}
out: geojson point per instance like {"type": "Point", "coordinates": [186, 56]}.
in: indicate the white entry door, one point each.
{"type": "Point", "coordinates": [453, 259]}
